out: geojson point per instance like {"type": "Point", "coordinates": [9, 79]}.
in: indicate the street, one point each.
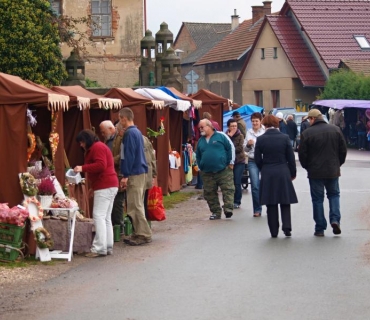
{"type": "Point", "coordinates": [231, 269]}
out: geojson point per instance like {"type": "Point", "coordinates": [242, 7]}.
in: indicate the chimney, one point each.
{"type": "Point", "coordinates": [267, 7]}
{"type": "Point", "coordinates": [234, 21]}
{"type": "Point", "coordinates": [257, 13]}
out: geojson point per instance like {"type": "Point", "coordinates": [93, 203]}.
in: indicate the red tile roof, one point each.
{"type": "Point", "coordinates": [331, 26]}
{"type": "Point", "coordinates": [234, 45]}
{"type": "Point", "coordinates": [297, 51]}
{"type": "Point", "coordinates": [357, 66]}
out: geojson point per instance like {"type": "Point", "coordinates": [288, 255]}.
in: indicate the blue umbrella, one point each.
{"type": "Point", "coordinates": [245, 113]}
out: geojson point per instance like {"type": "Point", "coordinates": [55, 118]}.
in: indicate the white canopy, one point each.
{"type": "Point", "coordinates": [157, 94]}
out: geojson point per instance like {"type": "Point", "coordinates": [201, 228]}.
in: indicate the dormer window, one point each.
{"type": "Point", "coordinates": [362, 42]}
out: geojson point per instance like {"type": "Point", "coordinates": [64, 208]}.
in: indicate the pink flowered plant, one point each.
{"type": "Point", "coordinates": [46, 187]}
{"type": "Point", "coordinates": [15, 215]}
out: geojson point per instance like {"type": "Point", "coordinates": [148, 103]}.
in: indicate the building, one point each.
{"type": "Point", "coordinates": [114, 59]}
{"type": "Point", "coordinates": [295, 51]}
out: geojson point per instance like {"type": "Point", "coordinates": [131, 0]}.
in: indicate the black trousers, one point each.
{"type": "Point", "coordinates": [273, 218]}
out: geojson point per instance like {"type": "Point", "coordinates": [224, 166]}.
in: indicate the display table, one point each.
{"type": "Point", "coordinates": [71, 223]}
{"type": "Point", "coordinates": [81, 194]}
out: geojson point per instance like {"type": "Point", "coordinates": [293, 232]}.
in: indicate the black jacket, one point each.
{"type": "Point", "coordinates": [274, 156]}
{"type": "Point", "coordinates": [292, 129]}
{"type": "Point", "coordinates": [322, 150]}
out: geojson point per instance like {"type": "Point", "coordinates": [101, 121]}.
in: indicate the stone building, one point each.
{"type": "Point", "coordinates": [114, 59]}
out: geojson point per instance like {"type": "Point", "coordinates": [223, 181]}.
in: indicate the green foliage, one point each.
{"type": "Point", "coordinates": [29, 42]}
{"type": "Point", "coordinates": [171, 200]}
{"type": "Point", "coordinates": [344, 84]}
{"type": "Point", "coordinates": [92, 83]}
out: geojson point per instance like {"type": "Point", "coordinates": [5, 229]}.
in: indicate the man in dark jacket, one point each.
{"type": "Point", "coordinates": [292, 129]}
{"type": "Point", "coordinates": [322, 151]}
{"type": "Point", "coordinates": [304, 124]}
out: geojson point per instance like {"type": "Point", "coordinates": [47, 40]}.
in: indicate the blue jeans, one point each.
{"type": "Point", "coordinates": [317, 187]}
{"type": "Point", "coordinates": [238, 173]}
{"type": "Point", "coordinates": [254, 177]}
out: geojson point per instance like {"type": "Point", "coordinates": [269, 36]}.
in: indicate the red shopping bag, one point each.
{"type": "Point", "coordinates": [156, 211]}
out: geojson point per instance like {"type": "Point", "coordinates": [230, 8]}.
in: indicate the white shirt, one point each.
{"type": "Point", "coordinates": [252, 135]}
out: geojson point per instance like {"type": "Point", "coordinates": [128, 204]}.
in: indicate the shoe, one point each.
{"type": "Point", "coordinates": [236, 206]}
{"type": "Point", "coordinates": [94, 255]}
{"type": "Point", "coordinates": [199, 188]}
{"type": "Point", "coordinates": [336, 228]}
{"type": "Point", "coordinates": [319, 233]}
{"type": "Point", "coordinates": [287, 233]}
{"type": "Point", "coordinates": [228, 214]}
{"type": "Point", "coordinates": [109, 252]}
{"type": "Point", "coordinates": [273, 236]}
{"type": "Point", "coordinates": [138, 241]}
{"type": "Point", "coordinates": [257, 214]}
{"type": "Point", "coordinates": [200, 198]}
{"type": "Point", "coordinates": [214, 217]}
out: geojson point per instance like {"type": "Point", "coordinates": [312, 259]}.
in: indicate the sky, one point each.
{"type": "Point", "coordinates": [174, 12]}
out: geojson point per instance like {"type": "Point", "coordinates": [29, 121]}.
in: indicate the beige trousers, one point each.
{"type": "Point", "coordinates": [135, 205]}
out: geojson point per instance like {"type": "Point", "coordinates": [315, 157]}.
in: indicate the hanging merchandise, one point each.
{"type": "Point", "coordinates": [54, 136]}
{"type": "Point", "coordinates": [31, 145]}
{"type": "Point", "coordinates": [31, 120]}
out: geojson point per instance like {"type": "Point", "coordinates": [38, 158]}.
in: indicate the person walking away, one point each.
{"type": "Point", "coordinates": [152, 170]}
{"type": "Point", "coordinates": [282, 123]}
{"type": "Point", "coordinates": [214, 154]}
{"type": "Point", "coordinates": [292, 129]}
{"type": "Point", "coordinates": [361, 135]}
{"type": "Point", "coordinates": [99, 166]}
{"type": "Point", "coordinates": [304, 124]}
{"type": "Point", "coordinates": [242, 126]}
{"type": "Point", "coordinates": [274, 156]}
{"type": "Point", "coordinates": [238, 140]}
{"type": "Point", "coordinates": [254, 172]}
{"type": "Point", "coordinates": [134, 170]}
{"type": "Point", "coordinates": [322, 152]}
{"type": "Point", "coordinates": [108, 131]}
{"type": "Point", "coordinates": [207, 115]}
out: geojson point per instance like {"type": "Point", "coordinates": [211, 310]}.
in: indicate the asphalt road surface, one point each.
{"type": "Point", "coordinates": [232, 269]}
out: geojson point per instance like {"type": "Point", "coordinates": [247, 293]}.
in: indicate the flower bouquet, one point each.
{"type": "Point", "coordinates": [46, 191]}
{"type": "Point", "coordinates": [15, 215]}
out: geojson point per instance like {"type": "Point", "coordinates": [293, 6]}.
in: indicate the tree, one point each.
{"type": "Point", "coordinates": [29, 42]}
{"type": "Point", "coordinates": [345, 84]}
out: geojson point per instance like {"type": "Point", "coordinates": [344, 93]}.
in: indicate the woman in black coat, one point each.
{"type": "Point", "coordinates": [275, 158]}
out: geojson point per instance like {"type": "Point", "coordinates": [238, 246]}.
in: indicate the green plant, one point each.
{"type": "Point", "coordinates": [175, 198]}
{"type": "Point", "coordinates": [92, 83]}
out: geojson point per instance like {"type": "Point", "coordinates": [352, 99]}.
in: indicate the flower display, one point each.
{"type": "Point", "coordinates": [40, 212]}
{"type": "Point", "coordinates": [46, 187]}
{"type": "Point", "coordinates": [154, 134]}
{"type": "Point", "coordinates": [28, 184]}
{"type": "Point", "coordinates": [16, 216]}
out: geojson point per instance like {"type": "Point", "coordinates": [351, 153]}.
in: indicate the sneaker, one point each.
{"type": "Point", "coordinates": [138, 241]}
{"type": "Point", "coordinates": [200, 198]}
{"type": "Point", "coordinates": [236, 206]}
{"type": "Point", "coordinates": [214, 217]}
{"type": "Point", "coordinates": [288, 233]}
{"type": "Point", "coordinates": [336, 228]}
{"type": "Point", "coordinates": [94, 255]}
{"type": "Point", "coordinates": [319, 233]}
{"type": "Point", "coordinates": [228, 214]}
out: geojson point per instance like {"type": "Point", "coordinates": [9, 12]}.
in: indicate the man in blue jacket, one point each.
{"type": "Point", "coordinates": [214, 154]}
{"type": "Point", "coordinates": [134, 170]}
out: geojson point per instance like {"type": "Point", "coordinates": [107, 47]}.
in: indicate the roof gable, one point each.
{"type": "Point", "coordinates": [234, 45]}
{"type": "Point", "coordinates": [357, 66]}
{"type": "Point", "coordinates": [297, 51]}
{"type": "Point", "coordinates": [331, 26]}
{"type": "Point", "coordinates": [205, 37]}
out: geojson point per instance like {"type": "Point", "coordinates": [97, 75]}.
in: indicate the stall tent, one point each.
{"type": "Point", "coordinates": [16, 95]}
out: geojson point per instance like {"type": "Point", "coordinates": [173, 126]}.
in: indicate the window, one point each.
{"type": "Point", "coordinates": [275, 95]}
{"type": "Point", "coordinates": [362, 42]}
{"type": "Point", "coordinates": [262, 53]}
{"type": "Point", "coordinates": [55, 6]}
{"type": "Point", "coordinates": [275, 53]}
{"type": "Point", "coordinates": [101, 13]}
{"type": "Point", "coordinates": [258, 95]}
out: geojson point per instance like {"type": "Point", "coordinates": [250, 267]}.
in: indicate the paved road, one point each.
{"type": "Point", "coordinates": [232, 269]}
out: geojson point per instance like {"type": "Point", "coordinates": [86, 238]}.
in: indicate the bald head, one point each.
{"type": "Point", "coordinates": [107, 129]}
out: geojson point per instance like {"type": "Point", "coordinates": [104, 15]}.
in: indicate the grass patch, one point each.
{"type": "Point", "coordinates": [173, 199]}
{"type": "Point", "coordinates": [26, 262]}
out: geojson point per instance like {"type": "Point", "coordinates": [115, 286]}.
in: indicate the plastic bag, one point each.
{"type": "Point", "coordinates": [156, 211]}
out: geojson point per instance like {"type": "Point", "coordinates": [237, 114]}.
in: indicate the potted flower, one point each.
{"type": "Point", "coordinates": [46, 191]}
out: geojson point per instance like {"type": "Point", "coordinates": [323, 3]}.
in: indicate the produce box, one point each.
{"type": "Point", "coordinates": [11, 234]}
{"type": "Point", "coordinates": [7, 254]}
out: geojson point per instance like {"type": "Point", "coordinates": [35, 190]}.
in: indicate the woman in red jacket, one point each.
{"type": "Point", "coordinates": [99, 166]}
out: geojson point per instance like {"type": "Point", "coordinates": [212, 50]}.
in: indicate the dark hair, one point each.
{"type": "Point", "coordinates": [88, 137]}
{"type": "Point", "coordinates": [256, 115]}
{"type": "Point", "coordinates": [270, 121]}
{"type": "Point", "coordinates": [231, 120]}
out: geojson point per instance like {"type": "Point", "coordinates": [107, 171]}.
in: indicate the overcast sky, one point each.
{"type": "Point", "coordinates": [174, 12]}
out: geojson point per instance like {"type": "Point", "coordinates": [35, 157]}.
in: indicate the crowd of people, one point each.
{"type": "Point", "coordinates": [122, 170]}
{"type": "Point", "coordinates": [267, 151]}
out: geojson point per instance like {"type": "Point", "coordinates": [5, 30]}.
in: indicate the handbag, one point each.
{"type": "Point", "coordinates": [156, 211]}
